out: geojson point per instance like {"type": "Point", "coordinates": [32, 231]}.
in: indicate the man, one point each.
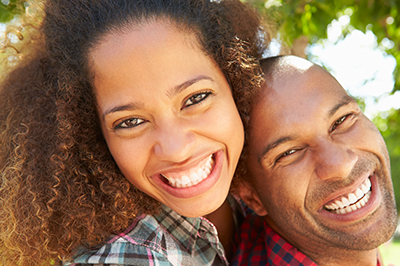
{"type": "Point", "coordinates": [318, 174]}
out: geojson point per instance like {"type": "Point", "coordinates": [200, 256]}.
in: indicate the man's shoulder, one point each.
{"type": "Point", "coordinates": [250, 242]}
{"type": "Point", "coordinates": [257, 243]}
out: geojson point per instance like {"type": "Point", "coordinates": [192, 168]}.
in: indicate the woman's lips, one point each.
{"type": "Point", "coordinates": [192, 177]}
{"type": "Point", "coordinates": [180, 183]}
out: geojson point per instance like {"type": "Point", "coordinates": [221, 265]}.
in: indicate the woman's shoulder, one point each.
{"type": "Point", "coordinates": [164, 239]}
{"type": "Point", "coordinates": [143, 243]}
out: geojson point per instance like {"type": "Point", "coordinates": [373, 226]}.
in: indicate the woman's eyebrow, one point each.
{"type": "Point", "coordinates": [179, 88]}
{"type": "Point", "coordinates": [120, 108]}
{"type": "Point", "coordinates": [171, 93]}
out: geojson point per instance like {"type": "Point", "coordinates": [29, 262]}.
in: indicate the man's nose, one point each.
{"type": "Point", "coordinates": [175, 141]}
{"type": "Point", "coordinates": [334, 160]}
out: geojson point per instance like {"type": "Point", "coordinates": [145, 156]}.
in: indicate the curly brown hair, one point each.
{"type": "Point", "coordinates": [242, 175]}
{"type": "Point", "coordinates": [60, 187]}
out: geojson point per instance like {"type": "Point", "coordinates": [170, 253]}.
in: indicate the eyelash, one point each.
{"type": "Point", "coordinates": [204, 95]}
{"type": "Point", "coordinates": [339, 122]}
{"type": "Point", "coordinates": [286, 153]}
{"type": "Point", "coordinates": [138, 121]}
{"type": "Point", "coordinates": [334, 126]}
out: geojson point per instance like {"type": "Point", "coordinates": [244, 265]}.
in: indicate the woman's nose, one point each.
{"type": "Point", "coordinates": [175, 141]}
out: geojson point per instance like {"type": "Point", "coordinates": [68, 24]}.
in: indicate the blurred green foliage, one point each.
{"type": "Point", "coordinates": [310, 18]}
{"type": "Point", "coordinates": [7, 10]}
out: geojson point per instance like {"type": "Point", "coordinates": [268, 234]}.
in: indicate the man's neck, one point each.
{"type": "Point", "coordinates": [330, 256]}
{"type": "Point", "coordinates": [354, 258]}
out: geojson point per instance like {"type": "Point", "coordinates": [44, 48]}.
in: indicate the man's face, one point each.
{"type": "Point", "coordinates": [319, 166]}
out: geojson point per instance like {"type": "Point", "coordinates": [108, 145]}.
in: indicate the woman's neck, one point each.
{"type": "Point", "coordinates": [222, 218]}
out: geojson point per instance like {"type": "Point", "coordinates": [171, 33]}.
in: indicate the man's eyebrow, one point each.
{"type": "Point", "coordinates": [179, 88]}
{"type": "Point", "coordinates": [344, 101]}
{"type": "Point", "coordinates": [273, 145]}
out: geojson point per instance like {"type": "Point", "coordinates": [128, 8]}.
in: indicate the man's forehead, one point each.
{"type": "Point", "coordinates": [296, 93]}
{"type": "Point", "coordinates": [276, 68]}
{"type": "Point", "coordinates": [291, 106]}
{"type": "Point", "coordinates": [287, 84]}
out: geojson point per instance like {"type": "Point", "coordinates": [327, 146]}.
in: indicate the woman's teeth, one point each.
{"type": "Point", "coordinates": [353, 201]}
{"type": "Point", "coordinates": [193, 177]}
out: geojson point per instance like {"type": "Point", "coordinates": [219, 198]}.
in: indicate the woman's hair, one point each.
{"type": "Point", "coordinates": [60, 187]}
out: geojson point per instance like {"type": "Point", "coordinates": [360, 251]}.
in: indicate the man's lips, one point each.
{"type": "Point", "coordinates": [352, 201]}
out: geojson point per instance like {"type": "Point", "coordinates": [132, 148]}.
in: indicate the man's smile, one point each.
{"type": "Point", "coordinates": [352, 201]}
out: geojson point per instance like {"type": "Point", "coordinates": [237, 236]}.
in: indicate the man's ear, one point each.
{"type": "Point", "coordinates": [248, 194]}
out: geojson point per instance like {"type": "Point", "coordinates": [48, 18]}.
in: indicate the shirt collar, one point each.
{"type": "Point", "coordinates": [186, 230]}
{"type": "Point", "coordinates": [277, 244]}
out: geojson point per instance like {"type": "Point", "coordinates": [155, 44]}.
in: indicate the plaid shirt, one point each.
{"type": "Point", "coordinates": [260, 245]}
{"type": "Point", "coordinates": [164, 239]}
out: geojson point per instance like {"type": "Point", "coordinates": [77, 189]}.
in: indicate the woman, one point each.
{"type": "Point", "coordinates": [121, 126]}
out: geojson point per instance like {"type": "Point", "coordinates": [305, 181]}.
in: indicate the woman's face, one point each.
{"type": "Point", "coordinates": [168, 116]}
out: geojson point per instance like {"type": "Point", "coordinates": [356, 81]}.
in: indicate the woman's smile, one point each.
{"type": "Point", "coordinates": [210, 172]}
{"type": "Point", "coordinates": [192, 176]}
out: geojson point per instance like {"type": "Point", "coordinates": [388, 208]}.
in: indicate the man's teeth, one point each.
{"type": "Point", "coordinates": [353, 201]}
{"type": "Point", "coordinates": [194, 177]}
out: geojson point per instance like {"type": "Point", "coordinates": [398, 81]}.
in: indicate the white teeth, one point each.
{"type": "Point", "coordinates": [359, 193]}
{"type": "Point", "coordinates": [352, 198]}
{"type": "Point", "coordinates": [364, 188]}
{"type": "Point", "coordinates": [192, 178]}
{"type": "Point", "coordinates": [368, 183]}
{"type": "Point", "coordinates": [353, 201]}
{"type": "Point", "coordinates": [207, 170]}
{"type": "Point", "coordinates": [362, 202]}
{"type": "Point", "coordinates": [339, 203]}
{"type": "Point", "coordinates": [185, 181]}
{"type": "Point", "coordinates": [345, 201]}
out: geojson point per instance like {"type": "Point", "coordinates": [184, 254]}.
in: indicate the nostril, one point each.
{"type": "Point", "coordinates": [176, 146]}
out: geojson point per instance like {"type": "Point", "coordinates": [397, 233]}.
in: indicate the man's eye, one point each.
{"type": "Point", "coordinates": [196, 98]}
{"type": "Point", "coordinates": [129, 123]}
{"type": "Point", "coordinates": [285, 154]}
{"type": "Point", "coordinates": [338, 122]}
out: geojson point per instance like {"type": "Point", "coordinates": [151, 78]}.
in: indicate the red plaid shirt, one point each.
{"type": "Point", "coordinates": [258, 244]}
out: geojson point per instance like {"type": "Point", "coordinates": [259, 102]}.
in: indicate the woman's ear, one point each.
{"type": "Point", "coordinates": [248, 194]}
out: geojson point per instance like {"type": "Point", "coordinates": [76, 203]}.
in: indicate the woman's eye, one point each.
{"type": "Point", "coordinates": [196, 98]}
{"type": "Point", "coordinates": [130, 123]}
{"type": "Point", "coordinates": [338, 122]}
